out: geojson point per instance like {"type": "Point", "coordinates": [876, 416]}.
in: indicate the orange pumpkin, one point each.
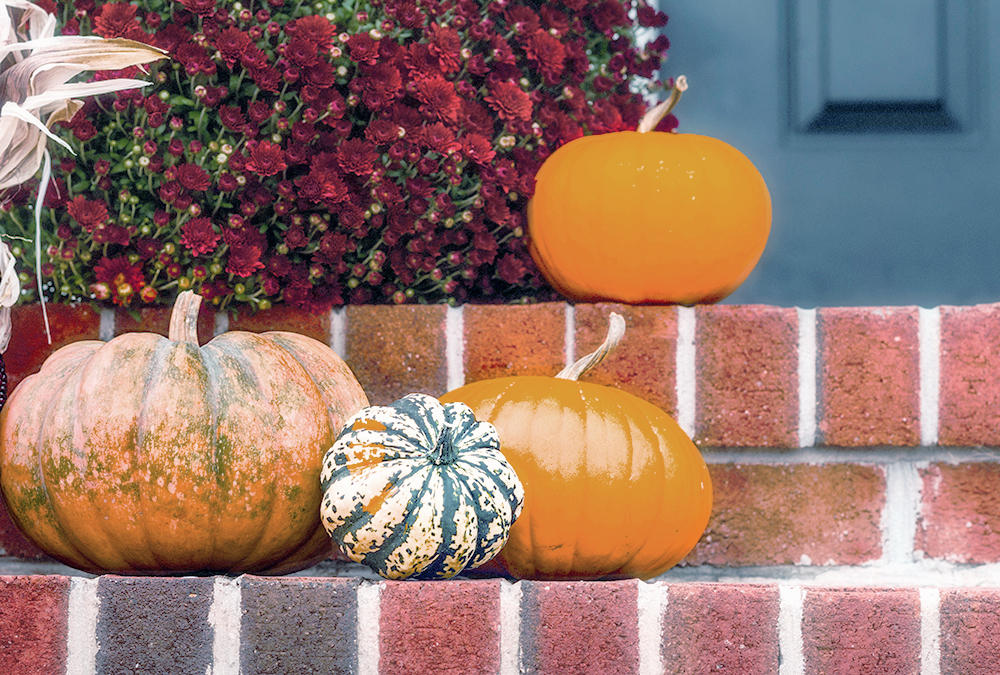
{"type": "Point", "coordinates": [613, 487]}
{"type": "Point", "coordinates": [147, 454]}
{"type": "Point", "coordinates": [648, 217]}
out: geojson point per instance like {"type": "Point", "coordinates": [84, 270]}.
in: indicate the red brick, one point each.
{"type": "Point", "coordinates": [970, 630]}
{"type": "Point", "coordinates": [157, 320]}
{"type": "Point", "coordinates": [503, 340]}
{"type": "Point", "coordinates": [869, 384]}
{"type": "Point", "coordinates": [960, 512]}
{"type": "Point", "coordinates": [748, 383]}
{"type": "Point", "coordinates": [286, 318]}
{"type": "Point", "coordinates": [299, 625]}
{"type": "Point", "coordinates": [440, 627]}
{"type": "Point", "coordinates": [713, 628]}
{"type": "Point", "coordinates": [863, 630]}
{"type": "Point", "coordinates": [29, 347]}
{"type": "Point", "coordinates": [397, 350]}
{"type": "Point", "coordinates": [12, 542]}
{"type": "Point", "coordinates": [33, 613]}
{"type": "Point", "coordinates": [969, 406]}
{"type": "Point", "coordinates": [793, 514]}
{"type": "Point", "coordinates": [579, 627]}
{"type": "Point", "coordinates": [645, 361]}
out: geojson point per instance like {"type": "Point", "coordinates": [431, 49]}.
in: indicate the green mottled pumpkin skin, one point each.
{"type": "Point", "coordinates": [418, 490]}
{"type": "Point", "coordinates": [145, 455]}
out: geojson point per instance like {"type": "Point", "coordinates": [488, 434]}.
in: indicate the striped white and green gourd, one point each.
{"type": "Point", "coordinates": [417, 489]}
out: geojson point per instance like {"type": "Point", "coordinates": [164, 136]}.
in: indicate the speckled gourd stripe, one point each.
{"type": "Point", "coordinates": [390, 502]}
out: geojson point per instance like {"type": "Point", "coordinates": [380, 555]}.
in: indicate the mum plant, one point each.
{"type": "Point", "coordinates": [328, 153]}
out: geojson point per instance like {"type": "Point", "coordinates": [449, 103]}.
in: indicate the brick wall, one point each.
{"type": "Point", "coordinates": [850, 448]}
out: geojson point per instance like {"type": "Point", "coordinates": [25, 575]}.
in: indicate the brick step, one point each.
{"type": "Point", "coordinates": [57, 623]}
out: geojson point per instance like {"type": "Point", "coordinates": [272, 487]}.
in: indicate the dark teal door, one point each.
{"type": "Point", "coordinates": [874, 125]}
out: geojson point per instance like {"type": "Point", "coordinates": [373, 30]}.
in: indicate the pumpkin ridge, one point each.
{"type": "Point", "coordinates": [448, 527]}
{"type": "Point", "coordinates": [211, 364]}
{"type": "Point", "coordinates": [56, 522]}
{"type": "Point", "coordinates": [364, 517]}
{"type": "Point", "coordinates": [153, 371]}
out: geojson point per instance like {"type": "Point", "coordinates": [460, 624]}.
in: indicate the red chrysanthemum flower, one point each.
{"type": "Point", "coordinates": [438, 98]}
{"type": "Point", "coordinates": [192, 177]}
{"type": "Point", "coordinates": [202, 7]}
{"type": "Point", "coordinates": [357, 156]}
{"type": "Point", "coordinates": [232, 118]}
{"type": "Point", "coordinates": [199, 236]}
{"type": "Point", "coordinates": [87, 212]}
{"type": "Point", "coordinates": [545, 53]}
{"type": "Point", "coordinates": [244, 260]}
{"type": "Point", "coordinates": [509, 101]}
{"type": "Point", "coordinates": [363, 48]}
{"type": "Point", "coordinates": [315, 29]}
{"type": "Point", "coordinates": [301, 52]}
{"type": "Point", "coordinates": [379, 85]}
{"type": "Point", "coordinates": [478, 148]}
{"type": "Point", "coordinates": [446, 45]}
{"type": "Point", "coordinates": [266, 159]}
{"type": "Point", "coordinates": [118, 20]}
{"type": "Point", "coordinates": [232, 44]}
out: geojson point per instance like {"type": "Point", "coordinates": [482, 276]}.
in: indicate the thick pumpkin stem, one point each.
{"type": "Point", "coordinates": [184, 318]}
{"type": "Point", "coordinates": [658, 112]}
{"type": "Point", "coordinates": [445, 452]}
{"type": "Point", "coordinates": [616, 331]}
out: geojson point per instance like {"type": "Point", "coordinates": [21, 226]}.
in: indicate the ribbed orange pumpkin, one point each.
{"type": "Point", "coordinates": [648, 217]}
{"type": "Point", "coordinates": [613, 487]}
{"type": "Point", "coordinates": [147, 454]}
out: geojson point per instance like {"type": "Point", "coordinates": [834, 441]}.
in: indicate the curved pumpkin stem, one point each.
{"type": "Point", "coordinates": [658, 112]}
{"type": "Point", "coordinates": [616, 331]}
{"type": "Point", "coordinates": [184, 318]}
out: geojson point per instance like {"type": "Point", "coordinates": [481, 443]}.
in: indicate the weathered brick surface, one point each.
{"type": "Point", "coordinates": [505, 340]}
{"type": "Point", "coordinates": [29, 347]}
{"type": "Point", "coordinates": [969, 408]}
{"type": "Point", "coordinates": [960, 512]}
{"type": "Point", "coordinates": [579, 627]}
{"type": "Point", "coordinates": [645, 361]}
{"type": "Point", "coordinates": [283, 317]}
{"type": "Point", "coordinates": [154, 625]}
{"type": "Point", "coordinates": [721, 628]}
{"type": "Point", "coordinates": [157, 320]}
{"type": "Point", "coordinates": [861, 630]}
{"type": "Point", "coordinates": [33, 611]}
{"type": "Point", "coordinates": [298, 625]}
{"type": "Point", "coordinates": [747, 370]}
{"type": "Point", "coordinates": [450, 627]}
{"type": "Point", "coordinates": [793, 514]}
{"type": "Point", "coordinates": [970, 630]}
{"type": "Point", "coordinates": [869, 382]}
{"type": "Point", "coordinates": [397, 350]}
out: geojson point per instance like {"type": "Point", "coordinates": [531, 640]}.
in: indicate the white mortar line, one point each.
{"type": "Point", "coordinates": [930, 631]}
{"type": "Point", "coordinates": [106, 330]}
{"type": "Point", "coordinates": [899, 518]}
{"type": "Point", "coordinates": [81, 634]}
{"type": "Point", "coordinates": [929, 333]}
{"type": "Point", "coordinates": [221, 323]}
{"type": "Point", "coordinates": [369, 615]}
{"type": "Point", "coordinates": [338, 331]}
{"type": "Point", "coordinates": [652, 600]}
{"type": "Point", "coordinates": [225, 617]}
{"type": "Point", "coordinates": [569, 340]}
{"type": "Point", "coordinates": [454, 334]}
{"type": "Point", "coordinates": [790, 630]}
{"type": "Point", "coordinates": [510, 628]}
{"type": "Point", "coordinates": [807, 377]}
{"type": "Point", "coordinates": [686, 367]}
{"type": "Point", "coordinates": [868, 456]}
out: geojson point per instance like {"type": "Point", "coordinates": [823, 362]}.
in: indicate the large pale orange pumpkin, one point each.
{"type": "Point", "coordinates": [648, 217]}
{"type": "Point", "coordinates": [147, 454]}
{"type": "Point", "coordinates": [613, 487]}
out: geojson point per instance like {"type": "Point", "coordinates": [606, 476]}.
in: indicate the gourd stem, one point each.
{"type": "Point", "coordinates": [444, 452]}
{"type": "Point", "coordinates": [616, 330]}
{"type": "Point", "coordinates": [184, 318]}
{"type": "Point", "coordinates": [661, 110]}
